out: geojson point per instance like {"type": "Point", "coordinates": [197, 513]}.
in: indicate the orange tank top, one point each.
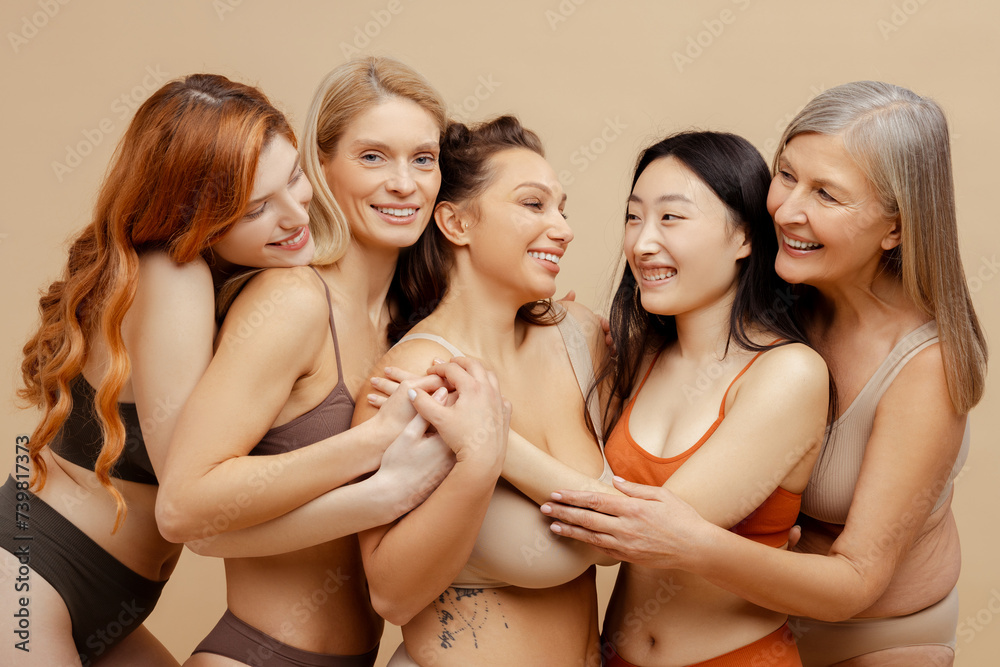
{"type": "Point", "coordinates": [768, 524]}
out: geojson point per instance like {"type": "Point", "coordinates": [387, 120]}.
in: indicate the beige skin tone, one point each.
{"type": "Point", "coordinates": [821, 196]}
{"type": "Point", "coordinates": [168, 333]}
{"type": "Point", "coordinates": [678, 241]}
{"type": "Point", "coordinates": [293, 569]}
{"type": "Point", "coordinates": [410, 562]}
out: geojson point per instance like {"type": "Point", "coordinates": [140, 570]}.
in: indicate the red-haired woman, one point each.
{"type": "Point", "coordinates": [205, 180]}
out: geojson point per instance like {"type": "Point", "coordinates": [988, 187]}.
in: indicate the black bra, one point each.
{"type": "Point", "coordinates": [79, 440]}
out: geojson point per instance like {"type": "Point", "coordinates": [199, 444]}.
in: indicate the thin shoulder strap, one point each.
{"type": "Point", "coordinates": [333, 327]}
{"type": "Point", "coordinates": [907, 348]}
{"type": "Point", "coordinates": [583, 364]}
{"type": "Point", "coordinates": [437, 339]}
{"type": "Point", "coordinates": [722, 408]}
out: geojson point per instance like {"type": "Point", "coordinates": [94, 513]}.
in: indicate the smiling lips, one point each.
{"type": "Point", "coordinates": [294, 242]}
{"type": "Point", "coordinates": [800, 245]}
{"type": "Point", "coordinates": [397, 215]}
{"type": "Point", "coordinates": [550, 260]}
{"type": "Point", "coordinates": [657, 274]}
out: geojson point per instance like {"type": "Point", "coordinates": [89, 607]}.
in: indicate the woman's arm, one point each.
{"type": "Point", "coordinates": [534, 472]}
{"type": "Point", "coordinates": [411, 561]}
{"type": "Point", "coordinates": [412, 466]}
{"type": "Point", "coordinates": [272, 337]}
{"type": "Point", "coordinates": [168, 333]}
{"type": "Point", "coordinates": [913, 446]}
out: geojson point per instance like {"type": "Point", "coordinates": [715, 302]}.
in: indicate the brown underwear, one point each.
{"type": "Point", "coordinates": [232, 638]}
{"type": "Point", "coordinates": [823, 643]}
{"type": "Point", "coordinates": [775, 650]}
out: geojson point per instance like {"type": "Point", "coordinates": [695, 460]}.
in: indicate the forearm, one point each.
{"type": "Point", "coordinates": [245, 491]}
{"type": "Point", "coordinates": [826, 587]}
{"type": "Point", "coordinates": [343, 511]}
{"type": "Point", "coordinates": [420, 556]}
{"type": "Point", "coordinates": [537, 474]}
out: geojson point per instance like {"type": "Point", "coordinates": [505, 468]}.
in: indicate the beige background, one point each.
{"type": "Point", "coordinates": [597, 79]}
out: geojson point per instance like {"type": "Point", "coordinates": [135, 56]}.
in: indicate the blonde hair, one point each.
{"type": "Point", "coordinates": [347, 91]}
{"type": "Point", "coordinates": [900, 141]}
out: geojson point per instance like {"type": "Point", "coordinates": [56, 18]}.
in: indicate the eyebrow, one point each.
{"type": "Point", "coordinates": [540, 186]}
{"type": "Point", "coordinates": [384, 147]}
{"type": "Point", "coordinates": [662, 199]}
{"type": "Point", "coordinates": [822, 183]}
{"type": "Point", "coordinates": [295, 167]}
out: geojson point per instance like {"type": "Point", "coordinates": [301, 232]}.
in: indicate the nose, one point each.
{"type": "Point", "coordinates": [787, 205]}
{"type": "Point", "coordinates": [647, 241]}
{"type": "Point", "coordinates": [295, 204]}
{"type": "Point", "coordinates": [400, 181]}
{"type": "Point", "coordinates": [560, 230]}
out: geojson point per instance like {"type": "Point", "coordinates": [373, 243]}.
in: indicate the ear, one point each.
{"type": "Point", "coordinates": [744, 250]}
{"type": "Point", "coordinates": [452, 222]}
{"type": "Point", "coordinates": [893, 236]}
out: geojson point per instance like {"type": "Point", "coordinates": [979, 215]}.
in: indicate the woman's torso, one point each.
{"type": "Point", "coordinates": [864, 367]}
{"type": "Point", "coordinates": [317, 598]}
{"type": "Point", "coordinates": [75, 492]}
{"type": "Point", "coordinates": [672, 617]}
{"type": "Point", "coordinates": [525, 596]}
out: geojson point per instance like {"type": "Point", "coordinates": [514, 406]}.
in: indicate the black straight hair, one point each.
{"type": "Point", "coordinates": [734, 170]}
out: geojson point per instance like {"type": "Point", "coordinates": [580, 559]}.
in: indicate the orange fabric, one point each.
{"type": "Point", "coordinates": [768, 524]}
{"type": "Point", "coordinates": [775, 650]}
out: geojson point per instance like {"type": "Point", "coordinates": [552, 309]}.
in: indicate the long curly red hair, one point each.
{"type": "Point", "coordinates": [180, 178]}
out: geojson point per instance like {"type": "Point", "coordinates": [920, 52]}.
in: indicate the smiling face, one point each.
{"type": "Point", "coordinates": [517, 233]}
{"type": "Point", "coordinates": [385, 174]}
{"type": "Point", "coordinates": [274, 231]}
{"type": "Point", "coordinates": [831, 227]}
{"type": "Point", "coordinates": [679, 242]}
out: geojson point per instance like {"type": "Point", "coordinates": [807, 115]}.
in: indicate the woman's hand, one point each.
{"type": "Point", "coordinates": [475, 425]}
{"type": "Point", "coordinates": [416, 462]}
{"type": "Point", "coordinates": [395, 408]}
{"type": "Point", "coordinates": [649, 526]}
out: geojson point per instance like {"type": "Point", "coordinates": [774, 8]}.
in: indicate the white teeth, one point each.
{"type": "Point", "coordinates": [293, 240]}
{"type": "Point", "coordinates": [658, 274]}
{"type": "Point", "coordinates": [544, 255]}
{"type": "Point", "coordinates": [396, 212]}
{"type": "Point", "coordinates": [801, 245]}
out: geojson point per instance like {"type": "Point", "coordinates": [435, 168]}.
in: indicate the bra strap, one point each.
{"type": "Point", "coordinates": [583, 364]}
{"type": "Point", "coordinates": [333, 327]}
{"type": "Point", "coordinates": [433, 337]}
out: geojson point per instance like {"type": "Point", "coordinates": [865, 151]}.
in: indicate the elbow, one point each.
{"type": "Point", "coordinates": [846, 604]}
{"type": "Point", "coordinates": [174, 520]}
{"type": "Point", "coordinates": [393, 609]}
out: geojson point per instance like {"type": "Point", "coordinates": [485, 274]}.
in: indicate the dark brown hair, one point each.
{"type": "Point", "coordinates": [467, 169]}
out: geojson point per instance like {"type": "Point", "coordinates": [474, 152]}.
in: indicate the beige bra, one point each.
{"type": "Point", "coordinates": [831, 489]}
{"type": "Point", "coordinates": [515, 546]}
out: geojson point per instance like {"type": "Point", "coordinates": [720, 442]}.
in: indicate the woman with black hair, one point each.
{"type": "Point", "coordinates": [714, 396]}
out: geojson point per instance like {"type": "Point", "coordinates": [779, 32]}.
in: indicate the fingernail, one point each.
{"type": "Point", "coordinates": [412, 393]}
{"type": "Point", "coordinates": [546, 508]}
{"type": "Point", "coordinates": [371, 399]}
{"type": "Point", "coordinates": [438, 361]}
{"type": "Point", "coordinates": [440, 394]}
{"type": "Point", "coordinates": [555, 528]}
{"type": "Point", "coordinates": [375, 381]}
{"type": "Point", "coordinates": [619, 479]}
{"type": "Point", "coordinates": [556, 496]}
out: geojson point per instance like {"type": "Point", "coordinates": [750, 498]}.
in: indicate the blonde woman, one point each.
{"type": "Point", "coordinates": [263, 452]}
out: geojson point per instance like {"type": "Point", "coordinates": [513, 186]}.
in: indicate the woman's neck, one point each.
{"type": "Point", "coordinates": [481, 322]}
{"type": "Point", "coordinates": [703, 334]}
{"type": "Point", "coordinates": [859, 302]}
{"type": "Point", "coordinates": [363, 276]}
